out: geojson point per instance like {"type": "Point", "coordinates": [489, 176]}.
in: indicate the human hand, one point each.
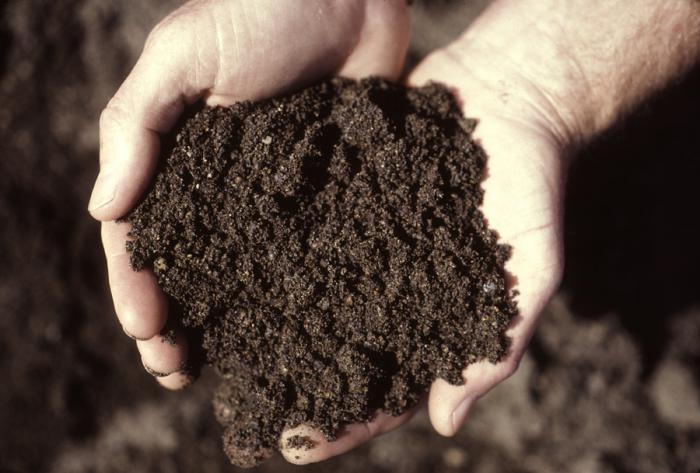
{"type": "Point", "coordinates": [541, 77]}
{"type": "Point", "coordinates": [221, 51]}
{"type": "Point", "coordinates": [526, 143]}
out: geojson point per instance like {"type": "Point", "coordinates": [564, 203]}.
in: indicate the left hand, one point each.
{"type": "Point", "coordinates": [219, 51]}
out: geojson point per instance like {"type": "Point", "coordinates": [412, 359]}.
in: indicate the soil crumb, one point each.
{"type": "Point", "coordinates": [330, 246]}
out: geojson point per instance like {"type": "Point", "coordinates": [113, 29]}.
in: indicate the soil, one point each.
{"type": "Point", "coordinates": [610, 382]}
{"type": "Point", "coordinates": [331, 247]}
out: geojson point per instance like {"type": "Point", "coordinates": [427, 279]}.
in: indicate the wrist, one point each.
{"type": "Point", "coordinates": [577, 66]}
{"type": "Point", "coordinates": [527, 72]}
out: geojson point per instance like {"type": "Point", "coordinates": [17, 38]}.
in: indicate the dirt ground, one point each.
{"type": "Point", "coordinates": [611, 381]}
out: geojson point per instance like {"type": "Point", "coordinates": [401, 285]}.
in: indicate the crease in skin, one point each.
{"type": "Point", "coordinates": [219, 61]}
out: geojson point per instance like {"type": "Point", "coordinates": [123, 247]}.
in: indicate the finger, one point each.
{"type": "Point", "coordinates": [139, 302]}
{"type": "Point", "coordinates": [449, 405]}
{"type": "Point", "coordinates": [176, 381]}
{"type": "Point", "coordinates": [345, 37]}
{"type": "Point", "coordinates": [383, 43]}
{"type": "Point", "coordinates": [350, 437]}
{"type": "Point", "coordinates": [198, 51]}
{"type": "Point", "coordinates": [148, 103]}
{"type": "Point", "coordinates": [163, 356]}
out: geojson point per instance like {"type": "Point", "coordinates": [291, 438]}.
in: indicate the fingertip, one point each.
{"type": "Point", "coordinates": [442, 423]}
{"type": "Point", "coordinates": [163, 356]}
{"type": "Point", "coordinates": [383, 43]}
{"type": "Point", "coordinates": [449, 405]}
{"type": "Point", "coordinates": [102, 215]}
{"type": "Point", "coordinates": [447, 423]}
{"type": "Point", "coordinates": [176, 381]}
{"type": "Point", "coordinates": [315, 450]}
{"type": "Point", "coordinates": [133, 337]}
{"type": "Point", "coordinates": [142, 314]}
{"type": "Point", "coordinates": [140, 304]}
{"type": "Point", "coordinates": [443, 400]}
{"type": "Point", "coordinates": [128, 158]}
{"type": "Point", "coordinates": [109, 211]}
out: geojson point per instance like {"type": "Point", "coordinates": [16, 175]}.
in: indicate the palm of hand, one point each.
{"type": "Point", "coordinates": [522, 202]}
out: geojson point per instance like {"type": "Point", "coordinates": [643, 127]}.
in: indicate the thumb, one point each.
{"type": "Point", "coordinates": [232, 51]}
{"type": "Point", "coordinates": [148, 103]}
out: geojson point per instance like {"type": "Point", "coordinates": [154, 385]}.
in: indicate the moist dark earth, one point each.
{"type": "Point", "coordinates": [331, 247]}
{"type": "Point", "coordinates": [610, 382]}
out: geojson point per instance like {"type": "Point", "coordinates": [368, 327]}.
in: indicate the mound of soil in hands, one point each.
{"type": "Point", "coordinates": [330, 246]}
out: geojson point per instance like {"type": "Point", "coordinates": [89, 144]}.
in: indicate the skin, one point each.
{"type": "Point", "coordinates": [541, 76]}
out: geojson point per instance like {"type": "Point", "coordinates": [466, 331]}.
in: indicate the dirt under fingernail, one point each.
{"type": "Point", "coordinates": [154, 373]}
{"type": "Point", "coordinates": [300, 442]}
{"type": "Point", "coordinates": [330, 246]}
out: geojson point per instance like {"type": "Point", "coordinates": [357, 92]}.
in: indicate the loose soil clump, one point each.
{"type": "Point", "coordinates": [330, 246]}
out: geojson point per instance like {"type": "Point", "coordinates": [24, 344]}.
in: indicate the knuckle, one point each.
{"type": "Point", "coordinates": [170, 30]}
{"type": "Point", "coordinates": [112, 116]}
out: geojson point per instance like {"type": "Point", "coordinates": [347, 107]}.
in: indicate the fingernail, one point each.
{"type": "Point", "coordinates": [153, 372]}
{"type": "Point", "coordinates": [103, 192]}
{"type": "Point", "coordinates": [459, 415]}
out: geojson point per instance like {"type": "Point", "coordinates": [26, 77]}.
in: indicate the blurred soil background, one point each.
{"type": "Point", "coordinates": [611, 381]}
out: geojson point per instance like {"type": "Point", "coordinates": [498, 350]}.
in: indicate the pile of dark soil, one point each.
{"type": "Point", "coordinates": [331, 246]}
